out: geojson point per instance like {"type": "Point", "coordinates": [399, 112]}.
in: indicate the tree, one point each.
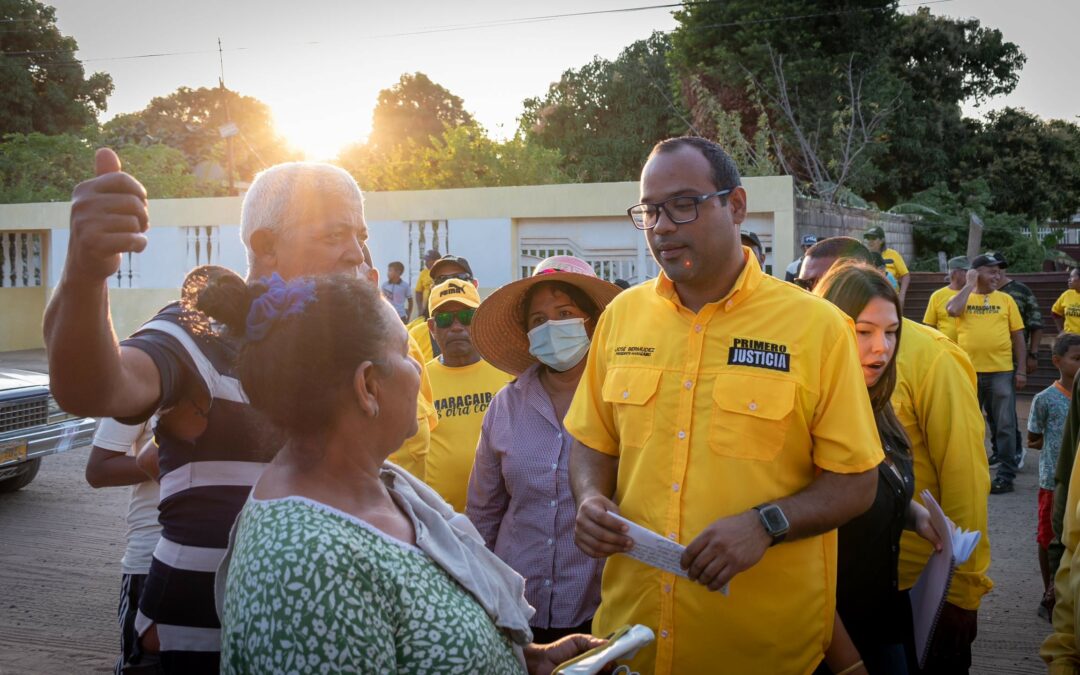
{"type": "Point", "coordinates": [605, 116]}
{"type": "Point", "coordinates": [460, 157]}
{"type": "Point", "coordinates": [1032, 166]}
{"type": "Point", "coordinates": [189, 120]}
{"type": "Point", "coordinates": [46, 168]}
{"type": "Point", "coordinates": [942, 63]}
{"type": "Point", "coordinates": [943, 220]}
{"type": "Point", "coordinates": [45, 88]}
{"type": "Point", "coordinates": [415, 109]}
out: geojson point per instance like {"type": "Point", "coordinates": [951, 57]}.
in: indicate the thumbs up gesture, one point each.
{"type": "Point", "coordinates": [109, 216]}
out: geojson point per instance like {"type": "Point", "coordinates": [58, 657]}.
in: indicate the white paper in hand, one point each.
{"type": "Point", "coordinates": [655, 550]}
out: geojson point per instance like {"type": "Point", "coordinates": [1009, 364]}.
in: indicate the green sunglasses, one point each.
{"type": "Point", "coordinates": [446, 319]}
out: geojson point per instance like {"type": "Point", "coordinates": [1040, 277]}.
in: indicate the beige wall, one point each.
{"type": "Point", "coordinates": [771, 206]}
{"type": "Point", "coordinates": [21, 310]}
{"type": "Point", "coordinates": [132, 307]}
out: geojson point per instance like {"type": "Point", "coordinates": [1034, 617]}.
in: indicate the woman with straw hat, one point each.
{"type": "Point", "coordinates": [539, 329]}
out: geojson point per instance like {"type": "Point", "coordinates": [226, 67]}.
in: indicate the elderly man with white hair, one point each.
{"type": "Point", "coordinates": [297, 219]}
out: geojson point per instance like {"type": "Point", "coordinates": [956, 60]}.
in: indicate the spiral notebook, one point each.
{"type": "Point", "coordinates": [930, 591]}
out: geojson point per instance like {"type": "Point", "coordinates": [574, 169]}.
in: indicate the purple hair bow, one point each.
{"type": "Point", "coordinates": [281, 299]}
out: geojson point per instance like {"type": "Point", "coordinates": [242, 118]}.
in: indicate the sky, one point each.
{"type": "Point", "coordinates": [320, 64]}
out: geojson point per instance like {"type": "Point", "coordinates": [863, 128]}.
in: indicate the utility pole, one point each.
{"type": "Point", "coordinates": [227, 130]}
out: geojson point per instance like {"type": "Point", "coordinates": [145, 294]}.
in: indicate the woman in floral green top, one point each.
{"type": "Point", "coordinates": [341, 562]}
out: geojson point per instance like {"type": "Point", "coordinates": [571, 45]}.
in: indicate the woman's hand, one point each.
{"type": "Point", "coordinates": [542, 659]}
{"type": "Point", "coordinates": [923, 526]}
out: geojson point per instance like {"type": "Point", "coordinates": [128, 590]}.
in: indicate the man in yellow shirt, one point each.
{"type": "Point", "coordinates": [1061, 650]}
{"type": "Point", "coordinates": [935, 399]}
{"type": "Point", "coordinates": [725, 410]}
{"type": "Point", "coordinates": [462, 386]}
{"type": "Point", "coordinates": [894, 262]}
{"type": "Point", "coordinates": [424, 281]}
{"type": "Point", "coordinates": [991, 331]}
{"type": "Point", "coordinates": [1067, 307]}
{"type": "Point", "coordinates": [936, 316]}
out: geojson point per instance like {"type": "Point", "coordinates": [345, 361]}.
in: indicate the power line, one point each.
{"type": "Point", "coordinates": [474, 26]}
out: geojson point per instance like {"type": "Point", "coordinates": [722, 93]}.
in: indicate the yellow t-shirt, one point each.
{"type": "Point", "coordinates": [935, 399]}
{"type": "Point", "coordinates": [412, 454]}
{"type": "Point", "coordinates": [419, 333]}
{"type": "Point", "coordinates": [711, 414]}
{"type": "Point", "coordinates": [894, 262]}
{"type": "Point", "coordinates": [461, 397]}
{"type": "Point", "coordinates": [424, 282]}
{"type": "Point", "coordinates": [1068, 306]}
{"type": "Point", "coordinates": [937, 317]}
{"type": "Point", "coordinates": [985, 331]}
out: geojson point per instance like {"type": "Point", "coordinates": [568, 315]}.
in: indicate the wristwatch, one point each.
{"type": "Point", "coordinates": [774, 521]}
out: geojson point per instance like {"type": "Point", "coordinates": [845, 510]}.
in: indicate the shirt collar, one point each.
{"type": "Point", "coordinates": [747, 282]}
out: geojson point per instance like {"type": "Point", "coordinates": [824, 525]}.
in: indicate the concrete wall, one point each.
{"type": "Point", "coordinates": [489, 226]}
{"type": "Point", "coordinates": [21, 310]}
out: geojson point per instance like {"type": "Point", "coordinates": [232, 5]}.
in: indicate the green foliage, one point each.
{"type": "Point", "coordinates": [41, 168]}
{"type": "Point", "coordinates": [944, 218]}
{"type": "Point", "coordinates": [941, 62]}
{"type": "Point", "coordinates": [1032, 166]}
{"type": "Point", "coordinates": [460, 157]}
{"type": "Point", "coordinates": [188, 120]}
{"type": "Point", "coordinates": [736, 48]}
{"type": "Point", "coordinates": [917, 67]}
{"type": "Point", "coordinates": [605, 116]}
{"type": "Point", "coordinates": [754, 154]}
{"type": "Point", "coordinates": [415, 109]}
{"type": "Point", "coordinates": [44, 88]}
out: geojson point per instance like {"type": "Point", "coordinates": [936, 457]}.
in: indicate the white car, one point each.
{"type": "Point", "coordinates": [32, 425]}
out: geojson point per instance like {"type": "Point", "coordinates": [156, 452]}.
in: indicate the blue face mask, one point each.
{"type": "Point", "coordinates": [559, 345]}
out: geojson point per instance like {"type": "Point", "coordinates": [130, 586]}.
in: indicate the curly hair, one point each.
{"type": "Point", "coordinates": [301, 370]}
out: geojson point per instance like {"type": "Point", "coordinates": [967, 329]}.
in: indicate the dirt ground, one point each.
{"type": "Point", "coordinates": [61, 543]}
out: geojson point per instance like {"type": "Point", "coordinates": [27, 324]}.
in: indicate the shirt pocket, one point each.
{"type": "Point", "coordinates": [632, 393]}
{"type": "Point", "coordinates": [750, 416]}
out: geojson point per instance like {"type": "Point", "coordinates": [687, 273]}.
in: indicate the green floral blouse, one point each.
{"type": "Point", "coordinates": [314, 590]}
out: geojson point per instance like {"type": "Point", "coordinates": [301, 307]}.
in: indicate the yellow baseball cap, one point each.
{"type": "Point", "coordinates": [453, 290]}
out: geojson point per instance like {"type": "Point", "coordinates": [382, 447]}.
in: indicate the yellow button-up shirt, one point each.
{"type": "Point", "coordinates": [711, 414]}
{"type": "Point", "coordinates": [936, 402]}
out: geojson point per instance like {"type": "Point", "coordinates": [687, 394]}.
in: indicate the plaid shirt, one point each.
{"type": "Point", "coordinates": [519, 499]}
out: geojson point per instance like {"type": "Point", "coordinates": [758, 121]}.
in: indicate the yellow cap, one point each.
{"type": "Point", "coordinates": [453, 290]}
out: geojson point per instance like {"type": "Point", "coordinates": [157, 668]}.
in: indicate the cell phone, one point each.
{"type": "Point", "coordinates": [623, 643]}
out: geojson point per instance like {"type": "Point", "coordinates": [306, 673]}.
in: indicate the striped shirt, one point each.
{"type": "Point", "coordinates": [204, 483]}
{"type": "Point", "coordinates": [519, 499]}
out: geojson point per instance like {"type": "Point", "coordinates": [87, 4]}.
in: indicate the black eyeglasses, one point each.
{"type": "Point", "coordinates": [680, 210]}
{"type": "Point", "coordinates": [461, 276]}
{"type": "Point", "coordinates": [446, 319]}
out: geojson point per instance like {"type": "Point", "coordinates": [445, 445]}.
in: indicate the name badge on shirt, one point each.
{"type": "Point", "coordinates": [759, 354]}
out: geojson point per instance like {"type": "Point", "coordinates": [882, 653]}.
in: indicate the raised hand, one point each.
{"type": "Point", "coordinates": [109, 216]}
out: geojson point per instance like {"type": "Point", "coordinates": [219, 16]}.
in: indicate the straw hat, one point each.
{"type": "Point", "coordinates": [497, 329]}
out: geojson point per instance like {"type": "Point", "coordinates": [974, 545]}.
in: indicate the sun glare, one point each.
{"type": "Point", "coordinates": [318, 133]}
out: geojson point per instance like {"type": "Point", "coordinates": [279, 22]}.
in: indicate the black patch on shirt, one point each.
{"type": "Point", "coordinates": [759, 354]}
{"type": "Point", "coordinates": [634, 351]}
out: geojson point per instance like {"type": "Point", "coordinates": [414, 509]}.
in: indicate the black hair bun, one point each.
{"type": "Point", "coordinates": [225, 297]}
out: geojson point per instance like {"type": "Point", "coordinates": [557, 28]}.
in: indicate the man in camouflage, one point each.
{"type": "Point", "coordinates": [1029, 311]}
